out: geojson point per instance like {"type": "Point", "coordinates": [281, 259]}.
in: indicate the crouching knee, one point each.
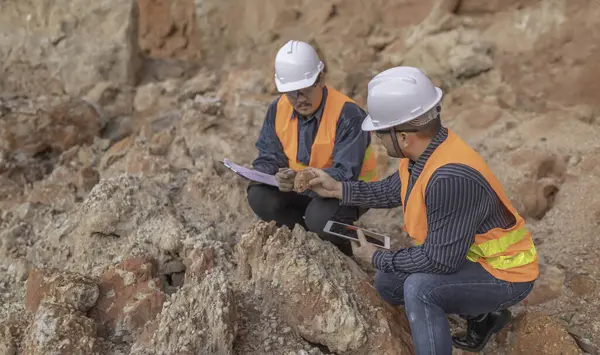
{"type": "Point", "coordinates": [318, 212]}
{"type": "Point", "coordinates": [390, 287]}
{"type": "Point", "coordinates": [418, 287]}
{"type": "Point", "coordinates": [263, 202]}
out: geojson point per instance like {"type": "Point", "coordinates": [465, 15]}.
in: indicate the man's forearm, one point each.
{"type": "Point", "coordinates": [338, 174]}
{"type": "Point", "coordinates": [266, 167]}
{"type": "Point", "coordinates": [409, 260]}
{"type": "Point", "coordinates": [380, 194]}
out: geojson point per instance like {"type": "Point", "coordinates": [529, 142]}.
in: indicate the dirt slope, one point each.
{"type": "Point", "coordinates": [116, 217]}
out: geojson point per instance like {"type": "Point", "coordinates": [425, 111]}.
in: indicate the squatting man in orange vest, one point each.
{"type": "Point", "coordinates": [311, 124]}
{"type": "Point", "coordinates": [473, 256]}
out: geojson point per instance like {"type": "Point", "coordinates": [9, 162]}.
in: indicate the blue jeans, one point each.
{"type": "Point", "coordinates": [427, 298]}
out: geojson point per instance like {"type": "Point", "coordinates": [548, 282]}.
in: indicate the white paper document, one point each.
{"type": "Point", "coordinates": [250, 174]}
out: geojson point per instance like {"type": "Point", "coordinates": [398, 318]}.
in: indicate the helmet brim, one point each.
{"type": "Point", "coordinates": [368, 125]}
{"type": "Point", "coordinates": [296, 85]}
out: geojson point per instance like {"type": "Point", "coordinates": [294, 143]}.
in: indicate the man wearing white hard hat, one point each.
{"type": "Point", "coordinates": [473, 255]}
{"type": "Point", "coordinates": [309, 125]}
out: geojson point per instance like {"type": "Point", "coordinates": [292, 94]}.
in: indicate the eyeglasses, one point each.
{"type": "Point", "coordinates": [390, 130]}
{"type": "Point", "coordinates": [306, 92]}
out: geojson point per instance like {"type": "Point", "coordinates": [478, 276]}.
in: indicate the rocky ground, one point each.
{"type": "Point", "coordinates": [121, 233]}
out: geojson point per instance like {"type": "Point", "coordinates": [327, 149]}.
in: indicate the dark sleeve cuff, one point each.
{"type": "Point", "coordinates": [346, 193]}
{"type": "Point", "coordinates": [378, 260]}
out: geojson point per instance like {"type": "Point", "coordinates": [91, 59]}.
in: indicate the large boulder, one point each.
{"type": "Point", "coordinates": [199, 319]}
{"type": "Point", "coordinates": [59, 301]}
{"type": "Point", "coordinates": [78, 42]}
{"type": "Point", "coordinates": [449, 56]}
{"type": "Point", "coordinates": [321, 293]}
{"type": "Point", "coordinates": [57, 329]}
{"type": "Point", "coordinates": [69, 289]}
{"type": "Point", "coordinates": [36, 137]}
{"type": "Point", "coordinates": [130, 296]}
{"type": "Point", "coordinates": [30, 127]}
{"type": "Point", "coordinates": [121, 216]}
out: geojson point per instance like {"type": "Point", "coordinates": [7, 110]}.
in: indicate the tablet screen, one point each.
{"type": "Point", "coordinates": [350, 232]}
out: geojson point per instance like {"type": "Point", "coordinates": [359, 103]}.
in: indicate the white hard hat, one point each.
{"type": "Point", "coordinates": [297, 66]}
{"type": "Point", "coordinates": [399, 95]}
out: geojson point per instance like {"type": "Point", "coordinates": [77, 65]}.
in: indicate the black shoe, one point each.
{"type": "Point", "coordinates": [480, 330]}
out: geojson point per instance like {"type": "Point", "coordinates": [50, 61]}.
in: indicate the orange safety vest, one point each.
{"type": "Point", "coordinates": [322, 148]}
{"type": "Point", "coordinates": [507, 254]}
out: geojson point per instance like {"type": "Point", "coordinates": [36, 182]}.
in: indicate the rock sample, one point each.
{"type": "Point", "coordinates": [302, 179]}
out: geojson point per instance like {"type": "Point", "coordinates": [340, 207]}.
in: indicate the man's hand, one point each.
{"type": "Point", "coordinates": [285, 177]}
{"type": "Point", "coordinates": [325, 185]}
{"type": "Point", "coordinates": [363, 251]}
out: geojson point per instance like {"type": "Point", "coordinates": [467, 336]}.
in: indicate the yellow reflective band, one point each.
{"type": "Point", "coordinates": [512, 261]}
{"type": "Point", "coordinates": [369, 176]}
{"type": "Point", "coordinates": [497, 246]}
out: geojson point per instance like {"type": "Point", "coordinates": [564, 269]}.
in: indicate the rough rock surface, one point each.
{"type": "Point", "coordinates": [130, 296]}
{"type": "Point", "coordinates": [69, 289]}
{"type": "Point", "coordinates": [327, 297]}
{"type": "Point", "coordinates": [11, 336]}
{"type": "Point", "coordinates": [59, 329]}
{"type": "Point", "coordinates": [123, 212]}
{"type": "Point", "coordinates": [57, 124]}
{"type": "Point", "coordinates": [450, 56]}
{"type": "Point", "coordinates": [53, 39]}
{"type": "Point", "coordinates": [107, 158]}
{"type": "Point", "coordinates": [302, 179]}
{"type": "Point", "coordinates": [59, 302]}
{"type": "Point", "coordinates": [548, 287]}
{"type": "Point", "coordinates": [199, 319]}
{"type": "Point", "coordinates": [539, 334]}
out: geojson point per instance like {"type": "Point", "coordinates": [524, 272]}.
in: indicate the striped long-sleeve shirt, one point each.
{"type": "Point", "coordinates": [460, 204]}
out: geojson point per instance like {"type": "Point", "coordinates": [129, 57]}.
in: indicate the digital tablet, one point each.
{"type": "Point", "coordinates": [349, 232]}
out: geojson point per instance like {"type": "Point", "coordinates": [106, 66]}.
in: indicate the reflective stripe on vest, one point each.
{"type": "Point", "coordinates": [507, 254]}
{"type": "Point", "coordinates": [491, 249]}
{"type": "Point", "coordinates": [322, 148]}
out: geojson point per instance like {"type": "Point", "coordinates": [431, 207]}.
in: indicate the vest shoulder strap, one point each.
{"type": "Point", "coordinates": [456, 151]}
